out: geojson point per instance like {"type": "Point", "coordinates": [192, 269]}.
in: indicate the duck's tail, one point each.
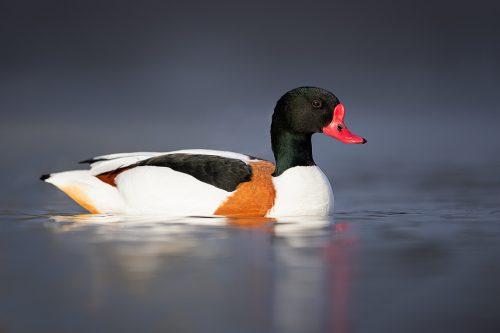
{"type": "Point", "coordinates": [88, 191]}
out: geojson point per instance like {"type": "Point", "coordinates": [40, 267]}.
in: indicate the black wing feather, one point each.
{"type": "Point", "coordinates": [92, 160]}
{"type": "Point", "coordinates": [222, 172]}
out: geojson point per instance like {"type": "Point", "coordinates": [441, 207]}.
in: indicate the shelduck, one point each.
{"type": "Point", "coordinates": [220, 183]}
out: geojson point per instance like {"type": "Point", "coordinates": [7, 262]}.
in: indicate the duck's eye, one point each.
{"type": "Point", "coordinates": [340, 128]}
{"type": "Point", "coordinates": [316, 103]}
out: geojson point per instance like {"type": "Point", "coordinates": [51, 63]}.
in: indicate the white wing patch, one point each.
{"type": "Point", "coordinates": [111, 162]}
{"type": "Point", "coordinates": [116, 161]}
{"type": "Point", "coordinates": [163, 191]}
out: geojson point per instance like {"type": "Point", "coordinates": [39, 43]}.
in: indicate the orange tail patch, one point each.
{"type": "Point", "coordinates": [80, 198]}
{"type": "Point", "coordinates": [253, 198]}
{"type": "Point", "coordinates": [110, 176]}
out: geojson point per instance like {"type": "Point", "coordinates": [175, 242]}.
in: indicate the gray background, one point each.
{"type": "Point", "coordinates": [414, 247]}
{"type": "Point", "coordinates": [419, 80]}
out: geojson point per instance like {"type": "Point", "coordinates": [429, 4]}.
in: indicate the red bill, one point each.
{"type": "Point", "coordinates": [337, 129]}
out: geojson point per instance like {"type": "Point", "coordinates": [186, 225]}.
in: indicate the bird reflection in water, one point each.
{"type": "Point", "coordinates": [340, 252]}
{"type": "Point", "coordinates": [299, 270]}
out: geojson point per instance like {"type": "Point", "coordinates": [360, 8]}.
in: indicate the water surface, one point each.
{"type": "Point", "coordinates": [429, 262]}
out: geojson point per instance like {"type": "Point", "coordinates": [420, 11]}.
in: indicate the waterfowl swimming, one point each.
{"type": "Point", "coordinates": [209, 182]}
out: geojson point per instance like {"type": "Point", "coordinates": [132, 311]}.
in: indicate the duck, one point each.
{"type": "Point", "coordinates": [202, 182]}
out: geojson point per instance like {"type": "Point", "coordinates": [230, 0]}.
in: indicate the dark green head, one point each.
{"type": "Point", "coordinates": [304, 110]}
{"type": "Point", "coordinates": [299, 114]}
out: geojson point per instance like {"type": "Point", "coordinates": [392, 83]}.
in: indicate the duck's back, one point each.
{"type": "Point", "coordinates": [179, 183]}
{"type": "Point", "coordinates": [190, 184]}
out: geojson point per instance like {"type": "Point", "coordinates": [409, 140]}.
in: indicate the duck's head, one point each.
{"type": "Point", "coordinates": [309, 110]}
